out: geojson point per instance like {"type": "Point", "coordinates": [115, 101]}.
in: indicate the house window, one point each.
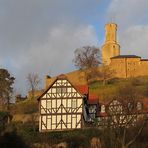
{"type": "Point", "coordinates": [102, 108]}
{"type": "Point", "coordinates": [49, 104]}
{"type": "Point", "coordinates": [64, 90]}
{"type": "Point", "coordinates": [92, 116]}
{"type": "Point", "coordinates": [115, 107]}
{"type": "Point", "coordinates": [92, 109]}
{"type": "Point", "coordinates": [73, 103]}
{"type": "Point", "coordinates": [139, 106]}
{"type": "Point", "coordinates": [74, 116]}
{"type": "Point", "coordinates": [61, 90]}
{"type": "Point", "coordinates": [130, 106]}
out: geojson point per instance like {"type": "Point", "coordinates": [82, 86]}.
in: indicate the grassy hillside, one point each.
{"type": "Point", "coordinates": [106, 92]}
{"type": "Point", "coordinates": [25, 111]}
{"type": "Point", "coordinates": [23, 130]}
{"type": "Point", "coordinates": [27, 106]}
{"type": "Point", "coordinates": [76, 77]}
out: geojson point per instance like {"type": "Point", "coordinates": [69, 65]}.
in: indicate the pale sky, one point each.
{"type": "Point", "coordinates": [40, 36]}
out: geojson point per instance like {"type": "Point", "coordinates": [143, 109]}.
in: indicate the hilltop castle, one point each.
{"type": "Point", "coordinates": [66, 103]}
{"type": "Point", "coordinates": [124, 65]}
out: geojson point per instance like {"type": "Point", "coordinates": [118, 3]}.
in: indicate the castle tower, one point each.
{"type": "Point", "coordinates": [110, 48]}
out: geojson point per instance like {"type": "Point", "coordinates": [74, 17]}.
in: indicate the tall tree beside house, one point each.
{"type": "Point", "coordinates": [33, 82]}
{"type": "Point", "coordinates": [87, 59]}
{"type": "Point", "coordinates": [6, 88]}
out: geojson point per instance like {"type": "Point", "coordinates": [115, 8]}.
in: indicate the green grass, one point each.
{"type": "Point", "coordinates": [25, 107]}
{"type": "Point", "coordinates": [104, 93]}
{"type": "Point", "coordinates": [108, 91]}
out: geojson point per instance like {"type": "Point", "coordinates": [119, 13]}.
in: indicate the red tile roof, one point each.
{"type": "Point", "coordinates": [83, 89]}
{"type": "Point", "coordinates": [145, 105]}
{"type": "Point", "coordinates": [94, 101]}
{"type": "Point", "coordinates": [92, 97]}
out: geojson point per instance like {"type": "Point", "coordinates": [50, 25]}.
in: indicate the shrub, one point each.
{"type": "Point", "coordinates": [4, 116]}
{"type": "Point", "coordinates": [12, 140]}
{"type": "Point", "coordinates": [26, 107]}
{"type": "Point", "coordinates": [78, 141]}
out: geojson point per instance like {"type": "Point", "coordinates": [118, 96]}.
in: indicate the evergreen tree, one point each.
{"type": "Point", "coordinates": [6, 88]}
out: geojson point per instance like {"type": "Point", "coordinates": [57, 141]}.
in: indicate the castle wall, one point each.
{"type": "Point", "coordinates": [124, 66]}
{"type": "Point", "coordinates": [133, 66]}
{"type": "Point", "coordinates": [119, 67]}
{"type": "Point", "coordinates": [75, 77]}
{"type": "Point", "coordinates": [109, 50]}
{"type": "Point", "coordinates": [129, 67]}
{"type": "Point", "coordinates": [143, 68]}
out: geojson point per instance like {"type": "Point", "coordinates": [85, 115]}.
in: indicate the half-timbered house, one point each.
{"type": "Point", "coordinates": [115, 113]}
{"type": "Point", "coordinates": [60, 106]}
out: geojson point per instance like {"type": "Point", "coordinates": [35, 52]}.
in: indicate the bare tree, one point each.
{"type": "Point", "coordinates": [87, 59]}
{"type": "Point", "coordinates": [124, 114]}
{"type": "Point", "coordinates": [19, 98]}
{"type": "Point", "coordinates": [33, 82]}
{"type": "Point", "coordinates": [121, 123]}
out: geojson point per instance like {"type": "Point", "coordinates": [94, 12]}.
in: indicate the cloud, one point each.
{"type": "Point", "coordinates": [126, 12]}
{"type": "Point", "coordinates": [134, 40]}
{"type": "Point", "coordinates": [40, 36]}
{"type": "Point", "coordinates": [132, 25]}
{"type": "Point", "coordinates": [54, 56]}
{"type": "Point", "coordinates": [57, 51]}
{"type": "Point", "coordinates": [25, 21]}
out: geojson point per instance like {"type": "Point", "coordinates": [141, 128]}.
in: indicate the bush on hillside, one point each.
{"type": "Point", "coordinates": [4, 118]}
{"type": "Point", "coordinates": [12, 140]}
{"type": "Point", "coordinates": [26, 107]}
{"type": "Point", "coordinates": [77, 141]}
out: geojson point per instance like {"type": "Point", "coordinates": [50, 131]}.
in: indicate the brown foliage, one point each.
{"type": "Point", "coordinates": [6, 89]}
{"type": "Point", "coordinates": [87, 59]}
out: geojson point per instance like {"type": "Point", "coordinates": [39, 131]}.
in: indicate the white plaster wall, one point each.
{"type": "Point", "coordinates": [39, 123]}
{"type": "Point", "coordinates": [53, 103]}
{"type": "Point", "coordinates": [68, 90]}
{"type": "Point", "coordinates": [43, 120]}
{"type": "Point", "coordinates": [43, 103]}
{"type": "Point", "coordinates": [48, 123]}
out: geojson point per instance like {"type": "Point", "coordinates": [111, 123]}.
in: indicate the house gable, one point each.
{"type": "Point", "coordinates": [61, 106]}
